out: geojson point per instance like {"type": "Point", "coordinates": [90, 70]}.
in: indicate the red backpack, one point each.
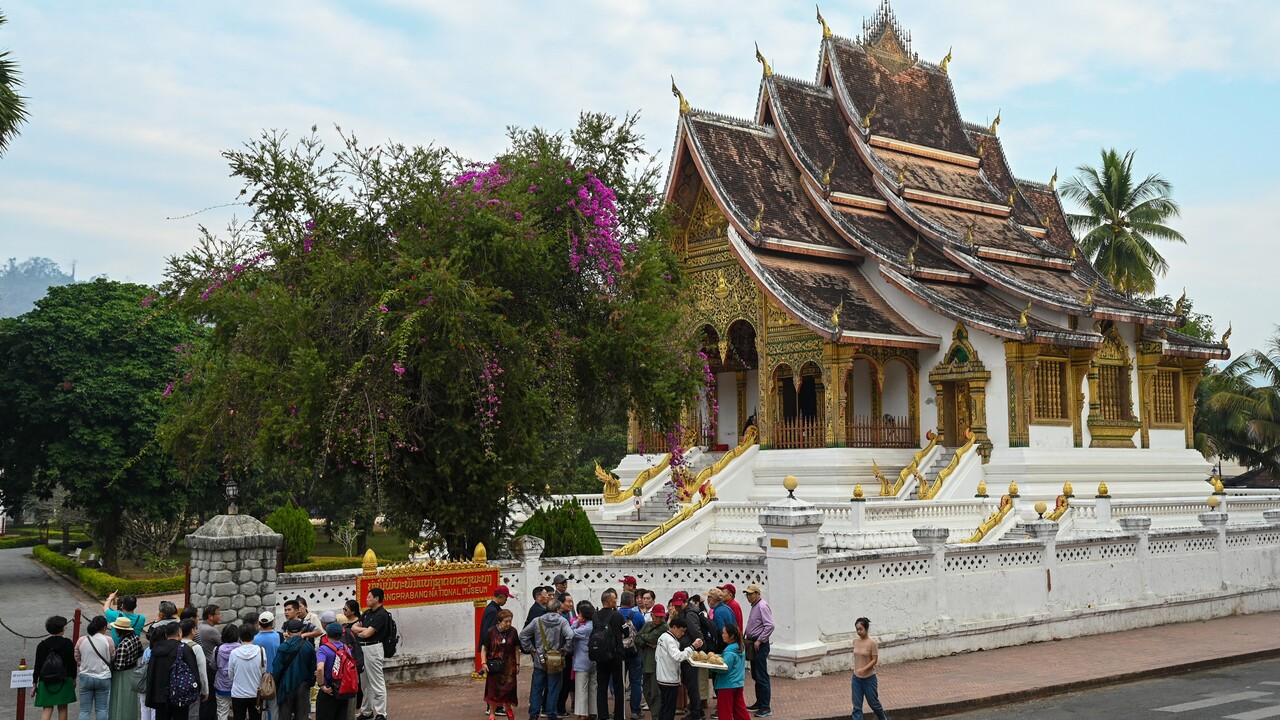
{"type": "Point", "coordinates": [346, 677]}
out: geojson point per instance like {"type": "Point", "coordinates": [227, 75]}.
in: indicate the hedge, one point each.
{"type": "Point", "coordinates": [101, 583]}
{"type": "Point", "coordinates": [24, 541]}
{"type": "Point", "coordinates": [338, 563]}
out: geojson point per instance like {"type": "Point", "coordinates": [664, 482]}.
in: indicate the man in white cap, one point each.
{"type": "Point", "coordinates": [267, 638]}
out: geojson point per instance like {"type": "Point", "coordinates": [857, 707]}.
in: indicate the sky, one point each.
{"type": "Point", "coordinates": [132, 103]}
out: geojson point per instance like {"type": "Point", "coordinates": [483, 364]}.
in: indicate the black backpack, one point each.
{"type": "Point", "coordinates": [53, 671]}
{"type": "Point", "coordinates": [601, 644]}
{"type": "Point", "coordinates": [353, 646]}
{"type": "Point", "coordinates": [711, 640]}
{"type": "Point", "coordinates": [391, 640]}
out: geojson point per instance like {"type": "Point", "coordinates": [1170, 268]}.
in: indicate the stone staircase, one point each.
{"type": "Point", "coordinates": [616, 533]}
{"type": "Point", "coordinates": [931, 473]}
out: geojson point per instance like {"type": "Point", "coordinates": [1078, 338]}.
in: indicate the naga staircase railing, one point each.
{"type": "Point", "coordinates": [912, 468]}
{"type": "Point", "coordinates": [931, 492]}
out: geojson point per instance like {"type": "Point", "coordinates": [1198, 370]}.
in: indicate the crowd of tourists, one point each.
{"type": "Point", "coordinates": [630, 654]}
{"type": "Point", "coordinates": [179, 667]}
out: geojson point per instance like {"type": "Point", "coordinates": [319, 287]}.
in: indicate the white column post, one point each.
{"type": "Point", "coordinates": [1140, 527]}
{"type": "Point", "coordinates": [529, 551]}
{"type": "Point", "coordinates": [1046, 531]}
{"type": "Point", "coordinates": [1218, 521]}
{"type": "Point", "coordinates": [791, 533]}
{"type": "Point", "coordinates": [934, 539]}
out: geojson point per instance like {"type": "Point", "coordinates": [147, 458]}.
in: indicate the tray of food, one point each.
{"type": "Point", "coordinates": [708, 661]}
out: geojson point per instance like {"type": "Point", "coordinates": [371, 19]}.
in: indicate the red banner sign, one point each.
{"type": "Point", "coordinates": [431, 588]}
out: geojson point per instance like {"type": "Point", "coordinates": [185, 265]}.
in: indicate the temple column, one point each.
{"type": "Point", "coordinates": [1019, 365]}
{"type": "Point", "coordinates": [978, 423]}
{"type": "Point", "coordinates": [939, 400]}
{"type": "Point", "coordinates": [1080, 363]}
{"type": "Point", "coordinates": [1191, 375]}
{"type": "Point", "coordinates": [741, 377]}
{"type": "Point", "coordinates": [1148, 359]}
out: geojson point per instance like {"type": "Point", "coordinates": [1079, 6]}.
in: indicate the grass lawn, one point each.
{"type": "Point", "coordinates": [384, 544]}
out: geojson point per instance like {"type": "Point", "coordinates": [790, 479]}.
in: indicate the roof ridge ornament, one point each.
{"type": "Point", "coordinates": [968, 232]}
{"type": "Point", "coordinates": [911, 254]}
{"type": "Point", "coordinates": [945, 61]}
{"type": "Point", "coordinates": [1053, 181]}
{"type": "Point", "coordinates": [755, 224]}
{"type": "Point", "coordinates": [902, 171]}
{"type": "Point", "coordinates": [1012, 195]}
{"type": "Point", "coordinates": [1226, 335]}
{"type": "Point", "coordinates": [1024, 319]}
{"type": "Point", "coordinates": [826, 31]}
{"type": "Point", "coordinates": [768, 71]}
{"type": "Point", "coordinates": [1181, 307]}
{"type": "Point", "coordinates": [826, 176]}
{"type": "Point", "coordinates": [835, 314]}
{"type": "Point", "coordinates": [684, 104]}
{"type": "Point", "coordinates": [1075, 249]}
{"type": "Point", "coordinates": [1088, 296]}
{"type": "Point", "coordinates": [866, 119]}
{"type": "Point", "coordinates": [994, 124]}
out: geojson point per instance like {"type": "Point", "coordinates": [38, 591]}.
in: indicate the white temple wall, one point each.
{"type": "Point", "coordinates": [860, 391]}
{"type": "Point", "coordinates": [1168, 439]}
{"type": "Point", "coordinates": [895, 397]}
{"type": "Point", "coordinates": [729, 418]}
{"type": "Point", "coordinates": [1051, 436]}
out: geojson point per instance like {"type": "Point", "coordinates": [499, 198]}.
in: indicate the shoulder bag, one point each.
{"type": "Point", "coordinates": [552, 660]}
{"type": "Point", "coordinates": [267, 685]}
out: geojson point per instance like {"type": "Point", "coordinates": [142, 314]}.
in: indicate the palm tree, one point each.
{"type": "Point", "coordinates": [13, 107]}
{"type": "Point", "coordinates": [1238, 410]}
{"type": "Point", "coordinates": [1120, 219]}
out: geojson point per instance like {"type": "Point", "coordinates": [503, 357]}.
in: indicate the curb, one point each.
{"type": "Point", "coordinates": [1018, 696]}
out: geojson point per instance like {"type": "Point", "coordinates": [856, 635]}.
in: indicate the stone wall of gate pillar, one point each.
{"type": "Point", "coordinates": [233, 564]}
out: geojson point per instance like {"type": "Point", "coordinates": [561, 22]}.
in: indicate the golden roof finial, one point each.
{"type": "Point", "coordinates": [1226, 335]}
{"type": "Point", "coordinates": [684, 104]}
{"type": "Point", "coordinates": [1181, 306]}
{"type": "Point", "coordinates": [943, 65]}
{"type": "Point", "coordinates": [768, 71]}
{"type": "Point", "coordinates": [835, 314]}
{"type": "Point", "coordinates": [755, 225]}
{"type": "Point", "coordinates": [911, 254]}
{"type": "Point", "coordinates": [826, 176]}
{"type": "Point", "coordinates": [1025, 318]}
{"type": "Point", "coordinates": [1088, 295]}
{"type": "Point", "coordinates": [1053, 181]}
{"type": "Point", "coordinates": [826, 31]}
{"type": "Point", "coordinates": [994, 124]}
{"type": "Point", "coordinates": [902, 171]}
{"type": "Point", "coordinates": [866, 119]}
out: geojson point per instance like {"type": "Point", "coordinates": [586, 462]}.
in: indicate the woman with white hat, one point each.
{"type": "Point", "coordinates": [124, 701]}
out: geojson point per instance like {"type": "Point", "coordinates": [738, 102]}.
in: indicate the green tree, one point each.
{"type": "Point", "coordinates": [566, 529]}
{"type": "Point", "coordinates": [1121, 216]}
{"type": "Point", "coordinates": [82, 381]}
{"type": "Point", "coordinates": [427, 339]}
{"type": "Point", "coordinates": [1238, 410]}
{"type": "Point", "coordinates": [294, 524]}
{"type": "Point", "coordinates": [13, 107]}
{"type": "Point", "coordinates": [1197, 325]}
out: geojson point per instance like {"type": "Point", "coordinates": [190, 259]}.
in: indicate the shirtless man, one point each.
{"type": "Point", "coordinates": [866, 654]}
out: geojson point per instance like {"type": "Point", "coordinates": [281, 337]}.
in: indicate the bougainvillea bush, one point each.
{"type": "Point", "coordinates": [399, 332]}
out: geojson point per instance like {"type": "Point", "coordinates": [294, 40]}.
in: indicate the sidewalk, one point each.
{"type": "Point", "coordinates": [939, 686]}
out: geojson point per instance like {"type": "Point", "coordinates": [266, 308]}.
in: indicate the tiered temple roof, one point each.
{"type": "Point", "coordinates": [873, 160]}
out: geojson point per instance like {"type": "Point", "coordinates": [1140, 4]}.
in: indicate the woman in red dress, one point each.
{"type": "Point", "coordinates": [500, 659]}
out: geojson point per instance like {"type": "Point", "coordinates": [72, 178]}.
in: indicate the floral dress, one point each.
{"type": "Point", "coordinates": [500, 687]}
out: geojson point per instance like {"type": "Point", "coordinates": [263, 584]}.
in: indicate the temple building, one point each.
{"type": "Point", "coordinates": [859, 253]}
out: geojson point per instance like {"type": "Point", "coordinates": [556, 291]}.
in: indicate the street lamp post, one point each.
{"type": "Point", "coordinates": [232, 490]}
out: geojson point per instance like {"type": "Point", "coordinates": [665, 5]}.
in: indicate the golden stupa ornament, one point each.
{"type": "Point", "coordinates": [755, 224]}
{"type": "Point", "coordinates": [481, 556]}
{"type": "Point", "coordinates": [826, 31]}
{"type": "Point", "coordinates": [994, 124]}
{"type": "Point", "coordinates": [945, 61]}
{"type": "Point", "coordinates": [982, 489]}
{"type": "Point", "coordinates": [1013, 489]}
{"type": "Point", "coordinates": [1053, 180]}
{"type": "Point", "coordinates": [857, 492]}
{"type": "Point", "coordinates": [768, 71]}
{"type": "Point", "coordinates": [1025, 318]}
{"type": "Point", "coordinates": [1103, 491]}
{"type": "Point", "coordinates": [1067, 490]}
{"type": "Point", "coordinates": [1218, 488]}
{"type": "Point", "coordinates": [684, 104]}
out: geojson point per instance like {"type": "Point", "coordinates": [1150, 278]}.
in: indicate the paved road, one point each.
{"type": "Point", "coordinates": [28, 595]}
{"type": "Point", "coordinates": [1236, 692]}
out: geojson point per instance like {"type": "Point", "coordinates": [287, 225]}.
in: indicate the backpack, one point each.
{"type": "Point", "coordinates": [629, 650]}
{"type": "Point", "coordinates": [53, 671]}
{"type": "Point", "coordinates": [184, 689]}
{"type": "Point", "coordinates": [353, 647]}
{"type": "Point", "coordinates": [711, 641]}
{"type": "Point", "coordinates": [601, 644]}
{"type": "Point", "coordinates": [346, 676]}
{"type": "Point", "coordinates": [391, 640]}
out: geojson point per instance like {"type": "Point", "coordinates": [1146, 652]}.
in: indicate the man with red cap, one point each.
{"type": "Point", "coordinates": [647, 642]}
{"type": "Point", "coordinates": [731, 594]}
{"type": "Point", "coordinates": [629, 583]}
{"type": "Point", "coordinates": [490, 619]}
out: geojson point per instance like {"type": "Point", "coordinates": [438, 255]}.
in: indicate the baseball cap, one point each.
{"type": "Point", "coordinates": [327, 617]}
{"type": "Point", "coordinates": [753, 588]}
{"type": "Point", "coordinates": [729, 587]}
{"type": "Point", "coordinates": [658, 611]}
{"type": "Point", "coordinates": [333, 629]}
{"type": "Point", "coordinates": [560, 579]}
{"type": "Point", "coordinates": [293, 626]}
{"type": "Point", "coordinates": [680, 596]}
{"type": "Point", "coordinates": [629, 580]}
{"type": "Point", "coordinates": [266, 618]}
{"type": "Point", "coordinates": [503, 591]}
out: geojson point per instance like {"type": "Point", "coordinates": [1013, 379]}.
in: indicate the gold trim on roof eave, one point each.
{"type": "Point", "coordinates": [952, 201]}
{"type": "Point", "coordinates": [924, 151]}
{"type": "Point", "coordinates": [859, 201]}
{"type": "Point", "coordinates": [1036, 231]}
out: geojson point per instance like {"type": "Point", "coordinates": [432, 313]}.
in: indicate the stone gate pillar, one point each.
{"type": "Point", "coordinates": [791, 533]}
{"type": "Point", "coordinates": [233, 564]}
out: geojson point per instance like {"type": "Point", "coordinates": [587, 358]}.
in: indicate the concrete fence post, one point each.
{"type": "Point", "coordinates": [1140, 527]}
{"type": "Point", "coordinates": [934, 539]}
{"type": "Point", "coordinates": [1046, 531]}
{"type": "Point", "coordinates": [528, 549]}
{"type": "Point", "coordinates": [792, 530]}
{"type": "Point", "coordinates": [1218, 522]}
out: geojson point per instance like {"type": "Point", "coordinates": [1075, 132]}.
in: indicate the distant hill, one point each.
{"type": "Point", "coordinates": [23, 283]}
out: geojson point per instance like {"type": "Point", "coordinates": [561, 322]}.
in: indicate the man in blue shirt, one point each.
{"type": "Point", "coordinates": [267, 638]}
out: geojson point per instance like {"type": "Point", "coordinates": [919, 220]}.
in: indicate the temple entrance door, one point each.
{"type": "Point", "coordinates": [956, 412]}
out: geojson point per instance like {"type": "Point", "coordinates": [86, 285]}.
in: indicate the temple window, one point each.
{"type": "Point", "coordinates": [1051, 398]}
{"type": "Point", "coordinates": [1165, 408]}
{"type": "Point", "coordinates": [1113, 392]}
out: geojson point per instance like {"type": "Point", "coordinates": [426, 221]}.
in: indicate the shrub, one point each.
{"type": "Point", "coordinates": [566, 528]}
{"type": "Point", "coordinates": [102, 584]}
{"type": "Point", "coordinates": [294, 524]}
